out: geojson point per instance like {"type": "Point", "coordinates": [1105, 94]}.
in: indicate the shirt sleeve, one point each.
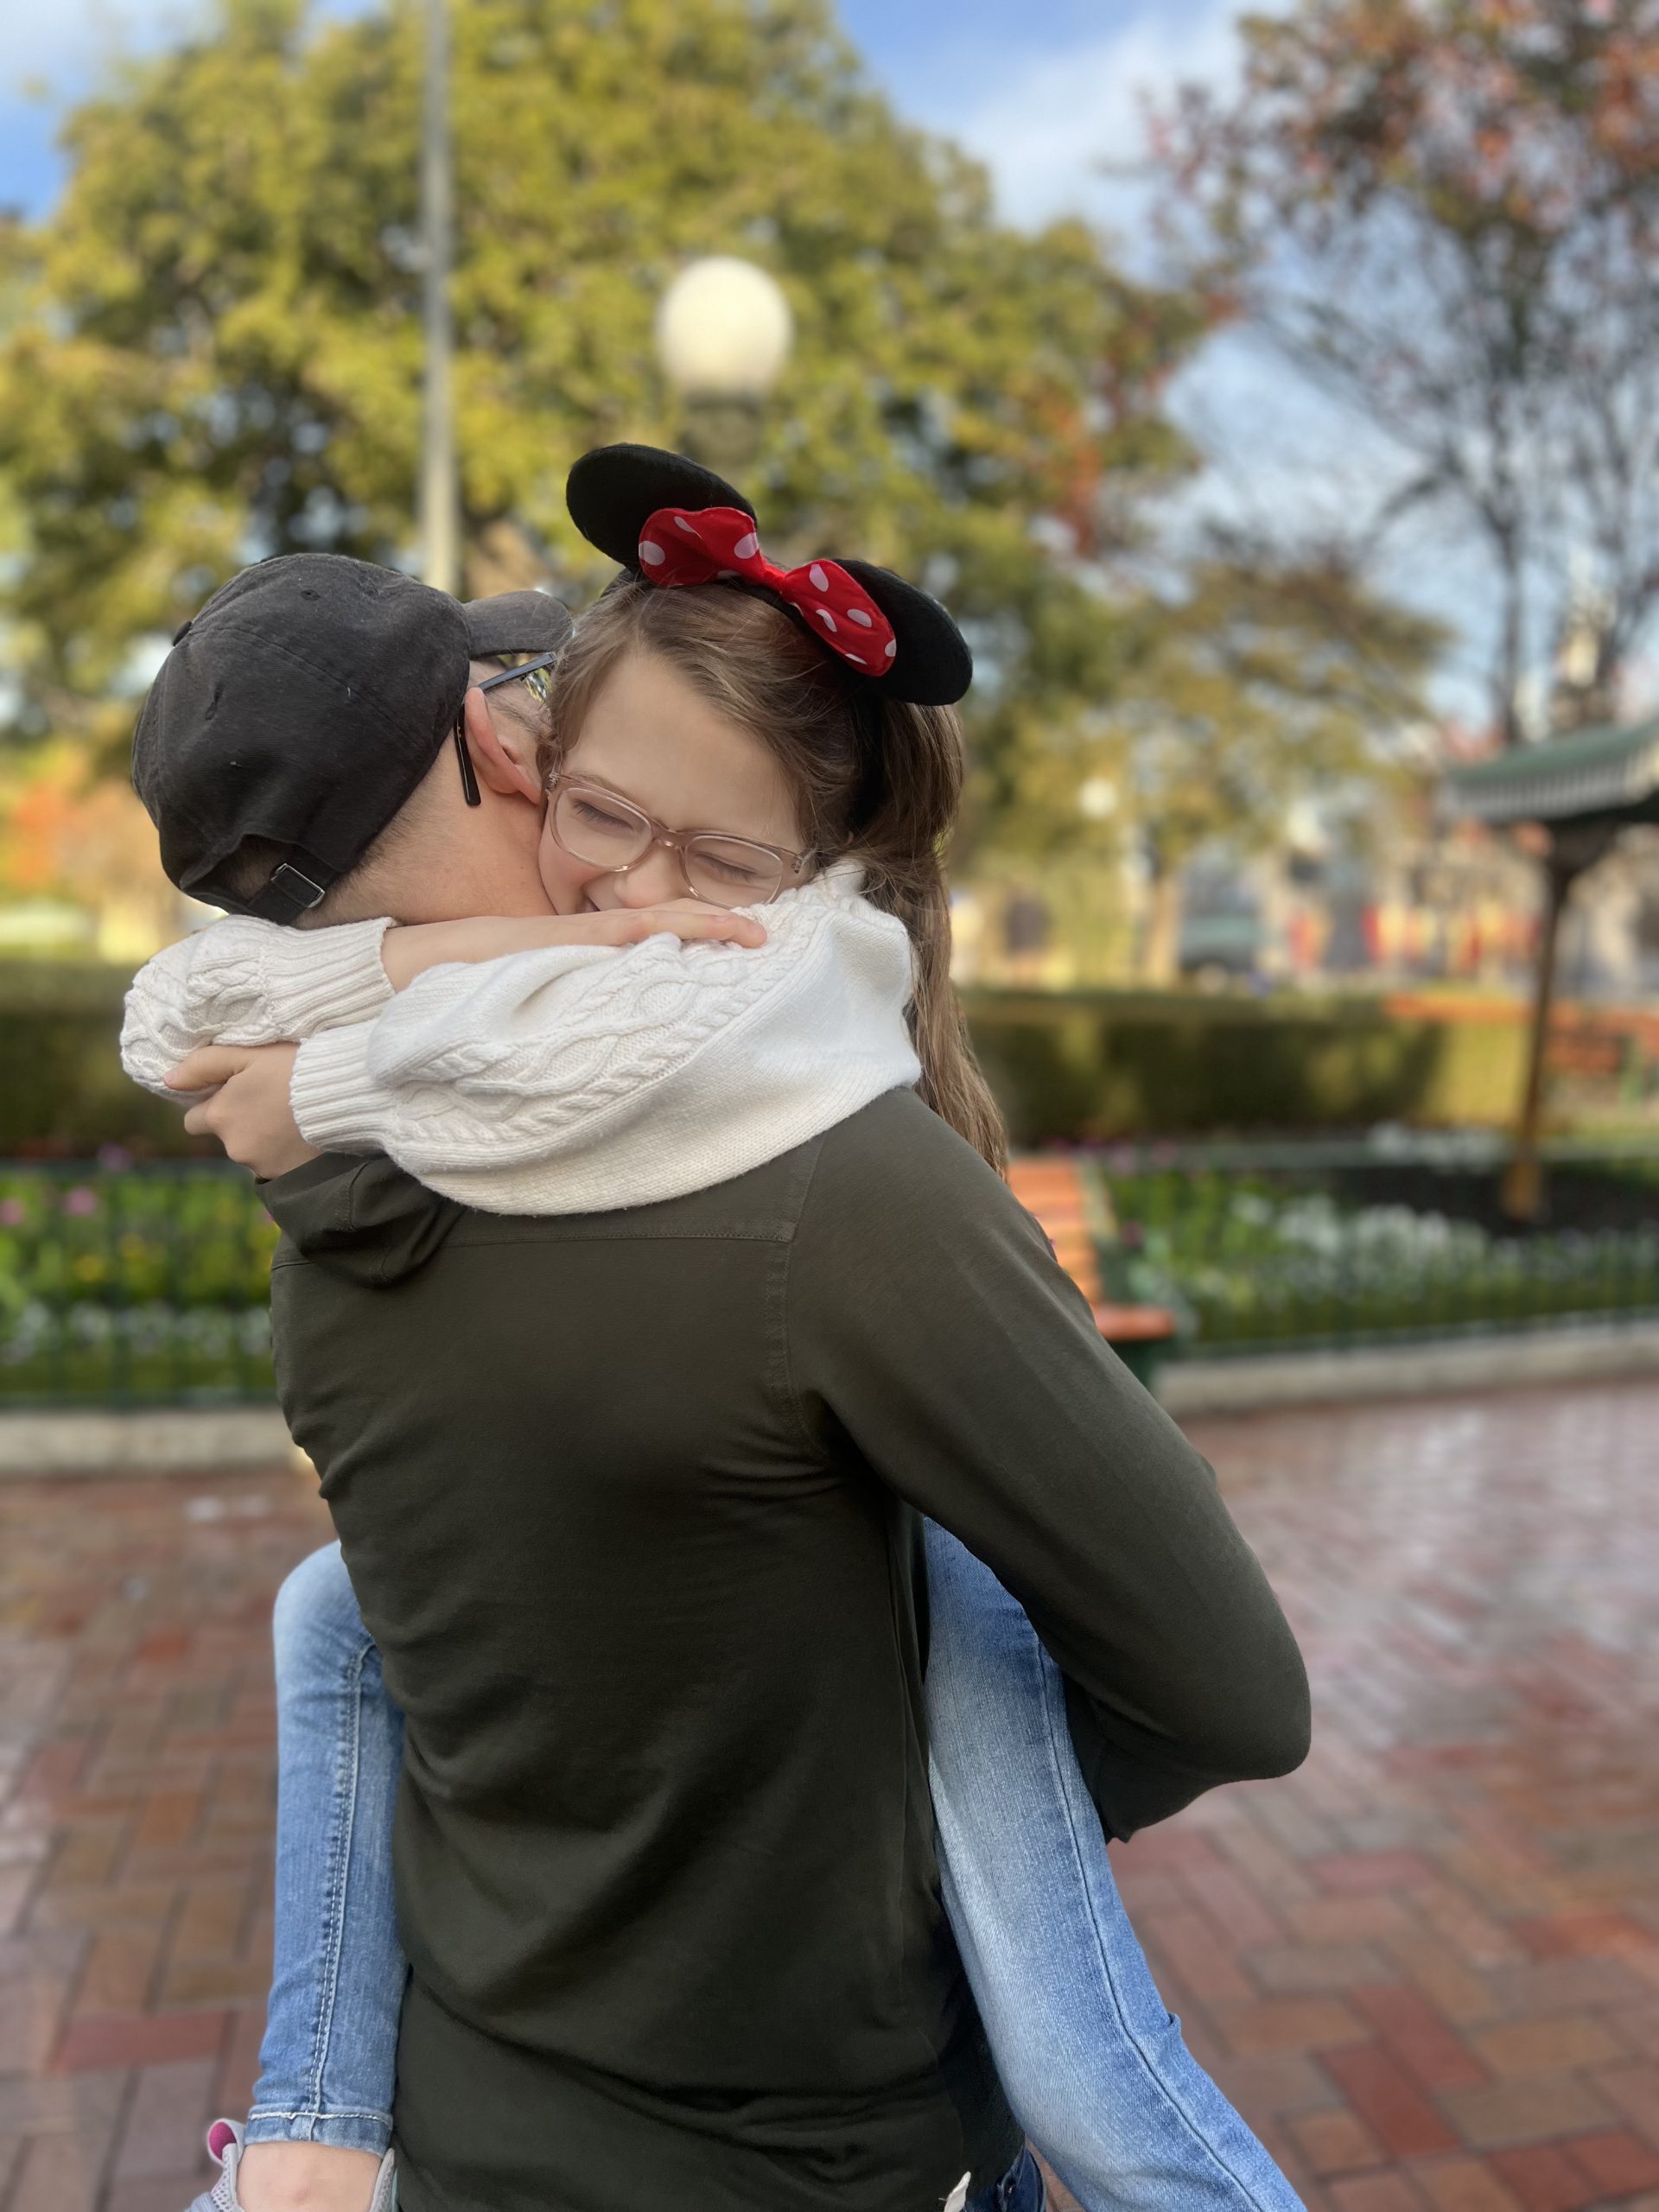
{"type": "Point", "coordinates": [243, 982]}
{"type": "Point", "coordinates": [930, 1326]}
{"type": "Point", "coordinates": [364, 1219]}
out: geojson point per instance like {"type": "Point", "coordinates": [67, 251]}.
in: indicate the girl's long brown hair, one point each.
{"type": "Point", "coordinates": [874, 780]}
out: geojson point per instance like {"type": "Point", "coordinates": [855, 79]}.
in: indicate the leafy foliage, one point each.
{"type": "Point", "coordinates": [1243, 687]}
{"type": "Point", "coordinates": [1249, 685]}
{"type": "Point", "coordinates": [1264, 685]}
{"type": "Point", "coordinates": [214, 344]}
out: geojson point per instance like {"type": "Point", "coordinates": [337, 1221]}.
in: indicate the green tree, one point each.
{"type": "Point", "coordinates": [212, 348]}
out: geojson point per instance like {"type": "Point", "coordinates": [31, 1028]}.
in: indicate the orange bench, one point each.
{"type": "Point", "coordinates": [1072, 1208]}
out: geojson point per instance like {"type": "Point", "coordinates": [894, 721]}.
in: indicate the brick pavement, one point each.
{"type": "Point", "coordinates": [1427, 1967]}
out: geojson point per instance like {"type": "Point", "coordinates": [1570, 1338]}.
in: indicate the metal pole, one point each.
{"type": "Point", "coordinates": [440, 496]}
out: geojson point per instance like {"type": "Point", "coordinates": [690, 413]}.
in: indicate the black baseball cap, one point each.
{"type": "Point", "coordinates": [301, 707]}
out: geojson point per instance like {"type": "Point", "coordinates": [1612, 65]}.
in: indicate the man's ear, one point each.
{"type": "Point", "coordinates": [496, 759]}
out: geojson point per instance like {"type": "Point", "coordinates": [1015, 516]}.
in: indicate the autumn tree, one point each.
{"type": "Point", "coordinates": [1444, 213]}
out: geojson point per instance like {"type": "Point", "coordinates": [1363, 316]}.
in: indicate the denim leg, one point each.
{"type": "Point", "coordinates": [1093, 2062]}
{"type": "Point", "coordinates": [326, 2063]}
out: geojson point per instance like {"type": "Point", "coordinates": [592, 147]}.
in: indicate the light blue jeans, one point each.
{"type": "Point", "coordinates": [1093, 2062]}
{"type": "Point", "coordinates": [330, 2049]}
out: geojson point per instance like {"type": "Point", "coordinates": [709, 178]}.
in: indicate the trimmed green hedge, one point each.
{"type": "Point", "coordinates": [1089, 1066]}
{"type": "Point", "coordinates": [62, 1093]}
{"type": "Point", "coordinates": [1066, 1066]}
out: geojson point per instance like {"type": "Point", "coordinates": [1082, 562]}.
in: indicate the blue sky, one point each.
{"type": "Point", "coordinates": [1041, 89]}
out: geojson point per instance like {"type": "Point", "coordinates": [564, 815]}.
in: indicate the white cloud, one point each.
{"type": "Point", "coordinates": [63, 46]}
{"type": "Point", "coordinates": [1045, 123]}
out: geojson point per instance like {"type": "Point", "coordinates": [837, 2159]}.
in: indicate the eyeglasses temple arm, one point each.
{"type": "Point", "coordinates": [470, 791]}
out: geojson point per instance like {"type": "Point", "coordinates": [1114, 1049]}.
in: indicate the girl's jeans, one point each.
{"type": "Point", "coordinates": [1093, 2065]}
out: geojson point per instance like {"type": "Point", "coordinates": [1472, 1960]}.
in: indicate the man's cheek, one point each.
{"type": "Point", "coordinates": [561, 879]}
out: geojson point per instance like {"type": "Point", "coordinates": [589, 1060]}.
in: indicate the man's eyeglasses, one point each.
{"type": "Point", "coordinates": [534, 675]}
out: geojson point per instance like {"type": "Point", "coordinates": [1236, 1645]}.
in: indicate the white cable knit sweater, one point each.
{"type": "Point", "coordinates": [574, 1079]}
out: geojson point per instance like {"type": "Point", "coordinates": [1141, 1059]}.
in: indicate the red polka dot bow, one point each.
{"type": "Point", "coordinates": [717, 544]}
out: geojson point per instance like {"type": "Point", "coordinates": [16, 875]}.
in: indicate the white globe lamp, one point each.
{"type": "Point", "coordinates": [723, 332]}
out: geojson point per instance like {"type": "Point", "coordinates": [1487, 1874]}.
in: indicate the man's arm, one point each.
{"type": "Point", "coordinates": [929, 1324]}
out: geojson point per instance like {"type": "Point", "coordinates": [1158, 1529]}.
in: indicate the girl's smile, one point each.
{"type": "Point", "coordinates": [653, 738]}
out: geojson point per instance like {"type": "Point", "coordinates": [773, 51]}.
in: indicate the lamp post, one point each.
{"type": "Point", "coordinates": [439, 500]}
{"type": "Point", "coordinates": [723, 334]}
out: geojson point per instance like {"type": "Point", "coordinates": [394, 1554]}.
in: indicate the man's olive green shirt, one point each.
{"type": "Point", "coordinates": [630, 1502]}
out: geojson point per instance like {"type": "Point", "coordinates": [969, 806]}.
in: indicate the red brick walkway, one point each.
{"type": "Point", "coordinates": [1428, 1968]}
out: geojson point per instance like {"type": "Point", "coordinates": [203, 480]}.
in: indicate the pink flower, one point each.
{"type": "Point", "coordinates": [81, 1201]}
{"type": "Point", "coordinates": [12, 1212]}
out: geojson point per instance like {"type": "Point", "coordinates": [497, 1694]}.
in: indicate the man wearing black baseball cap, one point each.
{"type": "Point", "coordinates": [329, 742]}
{"type": "Point", "coordinates": [300, 721]}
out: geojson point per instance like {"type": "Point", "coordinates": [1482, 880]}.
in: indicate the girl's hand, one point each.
{"type": "Point", "coordinates": [409, 951]}
{"type": "Point", "coordinates": [249, 1111]}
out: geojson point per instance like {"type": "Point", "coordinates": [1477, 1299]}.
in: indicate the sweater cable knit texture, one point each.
{"type": "Point", "coordinates": [572, 1079]}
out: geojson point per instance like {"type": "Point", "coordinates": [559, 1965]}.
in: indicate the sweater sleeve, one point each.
{"type": "Point", "coordinates": [581, 1077]}
{"type": "Point", "coordinates": [242, 981]}
{"type": "Point", "coordinates": [928, 1325]}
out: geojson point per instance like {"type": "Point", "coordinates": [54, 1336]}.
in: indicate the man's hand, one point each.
{"type": "Point", "coordinates": [409, 950]}
{"type": "Point", "coordinates": [249, 1111]}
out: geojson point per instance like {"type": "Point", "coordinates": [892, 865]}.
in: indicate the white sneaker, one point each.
{"type": "Point", "coordinates": [225, 2144]}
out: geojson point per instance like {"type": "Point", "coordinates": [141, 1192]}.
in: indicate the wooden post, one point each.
{"type": "Point", "coordinates": [1523, 1186]}
{"type": "Point", "coordinates": [1574, 846]}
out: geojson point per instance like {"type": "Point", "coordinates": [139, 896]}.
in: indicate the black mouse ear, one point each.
{"type": "Point", "coordinates": [612, 492]}
{"type": "Point", "coordinates": [933, 667]}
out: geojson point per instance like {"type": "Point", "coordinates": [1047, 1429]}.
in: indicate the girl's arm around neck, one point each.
{"type": "Point", "coordinates": [579, 1076]}
{"type": "Point", "coordinates": [409, 951]}
{"type": "Point", "coordinates": [242, 981]}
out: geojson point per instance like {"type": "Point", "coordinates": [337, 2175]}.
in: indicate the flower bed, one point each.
{"type": "Point", "coordinates": [1251, 1264]}
{"type": "Point", "coordinates": [124, 1284]}
{"type": "Point", "coordinates": [120, 1283]}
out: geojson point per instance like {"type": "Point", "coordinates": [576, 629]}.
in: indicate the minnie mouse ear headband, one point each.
{"type": "Point", "coordinates": [669, 522]}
